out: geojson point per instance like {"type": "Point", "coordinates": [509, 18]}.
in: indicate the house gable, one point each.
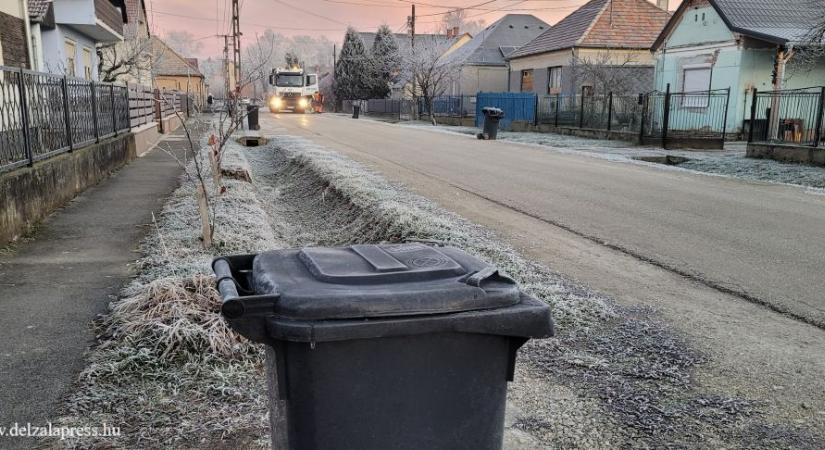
{"type": "Point", "coordinates": [697, 23]}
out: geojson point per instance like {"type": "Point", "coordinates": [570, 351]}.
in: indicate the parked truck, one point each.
{"type": "Point", "coordinates": [292, 90]}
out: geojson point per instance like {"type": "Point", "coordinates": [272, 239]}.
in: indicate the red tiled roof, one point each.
{"type": "Point", "coordinates": [602, 23]}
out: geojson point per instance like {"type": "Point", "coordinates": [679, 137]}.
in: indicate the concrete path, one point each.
{"type": "Point", "coordinates": [52, 286]}
{"type": "Point", "coordinates": [643, 235]}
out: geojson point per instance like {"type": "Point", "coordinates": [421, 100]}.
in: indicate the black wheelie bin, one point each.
{"type": "Point", "coordinates": [380, 347]}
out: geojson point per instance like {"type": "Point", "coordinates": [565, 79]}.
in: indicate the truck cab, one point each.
{"type": "Point", "coordinates": [292, 90]}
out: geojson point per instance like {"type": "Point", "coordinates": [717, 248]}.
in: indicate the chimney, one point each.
{"type": "Point", "coordinates": [663, 4]}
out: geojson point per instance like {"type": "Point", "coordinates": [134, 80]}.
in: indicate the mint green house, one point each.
{"type": "Point", "coordinates": [736, 44]}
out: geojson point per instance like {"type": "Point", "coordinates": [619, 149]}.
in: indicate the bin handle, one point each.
{"type": "Point", "coordinates": [228, 287]}
{"type": "Point", "coordinates": [485, 274]}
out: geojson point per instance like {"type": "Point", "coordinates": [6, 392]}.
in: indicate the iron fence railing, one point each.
{"type": "Point", "coordinates": [653, 115]}
{"type": "Point", "coordinates": [793, 116]}
{"type": "Point", "coordinates": [43, 114]}
{"type": "Point", "coordinates": [699, 115]}
{"type": "Point", "coordinates": [449, 106]}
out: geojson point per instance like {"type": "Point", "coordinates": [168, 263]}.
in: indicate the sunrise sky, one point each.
{"type": "Point", "coordinates": [207, 18]}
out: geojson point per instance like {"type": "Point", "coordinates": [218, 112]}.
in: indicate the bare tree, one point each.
{"type": "Point", "coordinates": [607, 72]}
{"type": "Point", "coordinates": [183, 42]}
{"type": "Point", "coordinates": [458, 19]}
{"type": "Point", "coordinates": [207, 165]}
{"type": "Point", "coordinates": [430, 74]}
{"type": "Point", "coordinates": [810, 51]}
{"type": "Point", "coordinates": [130, 59]}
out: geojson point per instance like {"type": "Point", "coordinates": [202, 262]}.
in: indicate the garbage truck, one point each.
{"type": "Point", "coordinates": [292, 90]}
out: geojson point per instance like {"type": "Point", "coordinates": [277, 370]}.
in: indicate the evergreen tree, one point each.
{"type": "Point", "coordinates": [386, 62]}
{"type": "Point", "coordinates": [352, 71]}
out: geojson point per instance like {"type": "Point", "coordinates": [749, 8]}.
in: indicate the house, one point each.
{"type": "Point", "coordinates": [15, 35]}
{"type": "Point", "coordinates": [65, 34]}
{"type": "Point", "coordinates": [736, 44]}
{"type": "Point", "coordinates": [171, 71]}
{"type": "Point", "coordinates": [452, 40]}
{"type": "Point", "coordinates": [446, 43]}
{"type": "Point", "coordinates": [129, 60]}
{"type": "Point", "coordinates": [604, 39]}
{"type": "Point", "coordinates": [481, 63]}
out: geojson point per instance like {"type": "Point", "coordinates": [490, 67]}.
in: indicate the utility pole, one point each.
{"type": "Point", "coordinates": [226, 70]}
{"type": "Point", "coordinates": [411, 24]}
{"type": "Point", "coordinates": [236, 34]}
{"type": "Point", "coordinates": [412, 27]}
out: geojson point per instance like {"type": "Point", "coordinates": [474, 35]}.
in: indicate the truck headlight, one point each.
{"type": "Point", "coordinates": [303, 102]}
{"type": "Point", "coordinates": [275, 102]}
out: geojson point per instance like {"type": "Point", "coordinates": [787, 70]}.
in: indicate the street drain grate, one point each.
{"type": "Point", "coordinates": [668, 160]}
{"type": "Point", "coordinates": [252, 141]}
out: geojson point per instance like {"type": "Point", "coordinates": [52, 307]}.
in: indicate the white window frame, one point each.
{"type": "Point", "coordinates": [88, 72]}
{"type": "Point", "coordinates": [71, 69]}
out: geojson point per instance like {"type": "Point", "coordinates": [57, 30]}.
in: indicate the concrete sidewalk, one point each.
{"type": "Point", "coordinates": [54, 285]}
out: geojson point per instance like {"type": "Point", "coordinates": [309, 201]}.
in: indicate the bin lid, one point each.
{"type": "Point", "coordinates": [365, 281]}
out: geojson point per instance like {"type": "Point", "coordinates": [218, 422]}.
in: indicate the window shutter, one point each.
{"type": "Point", "coordinates": [696, 80]}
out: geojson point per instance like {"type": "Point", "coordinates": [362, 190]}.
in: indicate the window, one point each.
{"type": "Point", "coordinates": [554, 80]}
{"type": "Point", "coordinates": [312, 80]}
{"type": "Point", "coordinates": [87, 63]}
{"type": "Point", "coordinates": [527, 80]}
{"type": "Point", "coordinates": [696, 79]}
{"type": "Point", "coordinates": [70, 48]}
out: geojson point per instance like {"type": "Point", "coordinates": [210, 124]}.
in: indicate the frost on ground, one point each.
{"type": "Point", "coordinates": [171, 374]}
{"type": "Point", "coordinates": [728, 163]}
{"type": "Point", "coordinates": [167, 370]}
{"type": "Point", "coordinates": [614, 377]}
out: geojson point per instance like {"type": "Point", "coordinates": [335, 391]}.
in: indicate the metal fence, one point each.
{"type": "Point", "coordinates": [789, 116]}
{"type": "Point", "coordinates": [601, 112]}
{"type": "Point", "coordinates": [656, 115]}
{"type": "Point", "coordinates": [449, 106]}
{"type": "Point", "coordinates": [43, 115]}
{"type": "Point", "coordinates": [695, 115]}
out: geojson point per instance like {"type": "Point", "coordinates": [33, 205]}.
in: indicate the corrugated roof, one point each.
{"type": "Point", "coordinates": [512, 30]}
{"type": "Point", "coordinates": [602, 23]}
{"type": "Point", "coordinates": [788, 20]}
{"type": "Point", "coordinates": [403, 40]}
{"type": "Point", "coordinates": [166, 61]}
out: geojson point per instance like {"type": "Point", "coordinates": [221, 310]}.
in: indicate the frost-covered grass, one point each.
{"type": "Point", "coordinates": [356, 205]}
{"type": "Point", "coordinates": [168, 370]}
{"type": "Point", "coordinates": [731, 162]}
{"type": "Point", "coordinates": [170, 373]}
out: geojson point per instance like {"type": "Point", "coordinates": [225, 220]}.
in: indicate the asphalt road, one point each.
{"type": "Point", "coordinates": [762, 242]}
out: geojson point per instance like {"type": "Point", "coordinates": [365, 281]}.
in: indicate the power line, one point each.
{"type": "Point", "coordinates": [458, 9]}
{"type": "Point", "coordinates": [310, 12]}
{"type": "Point", "coordinates": [272, 26]}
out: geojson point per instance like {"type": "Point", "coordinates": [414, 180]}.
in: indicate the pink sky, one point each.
{"type": "Point", "coordinates": [330, 17]}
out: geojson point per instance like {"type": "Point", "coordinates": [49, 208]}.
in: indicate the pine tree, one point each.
{"type": "Point", "coordinates": [352, 71]}
{"type": "Point", "coordinates": [385, 62]}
